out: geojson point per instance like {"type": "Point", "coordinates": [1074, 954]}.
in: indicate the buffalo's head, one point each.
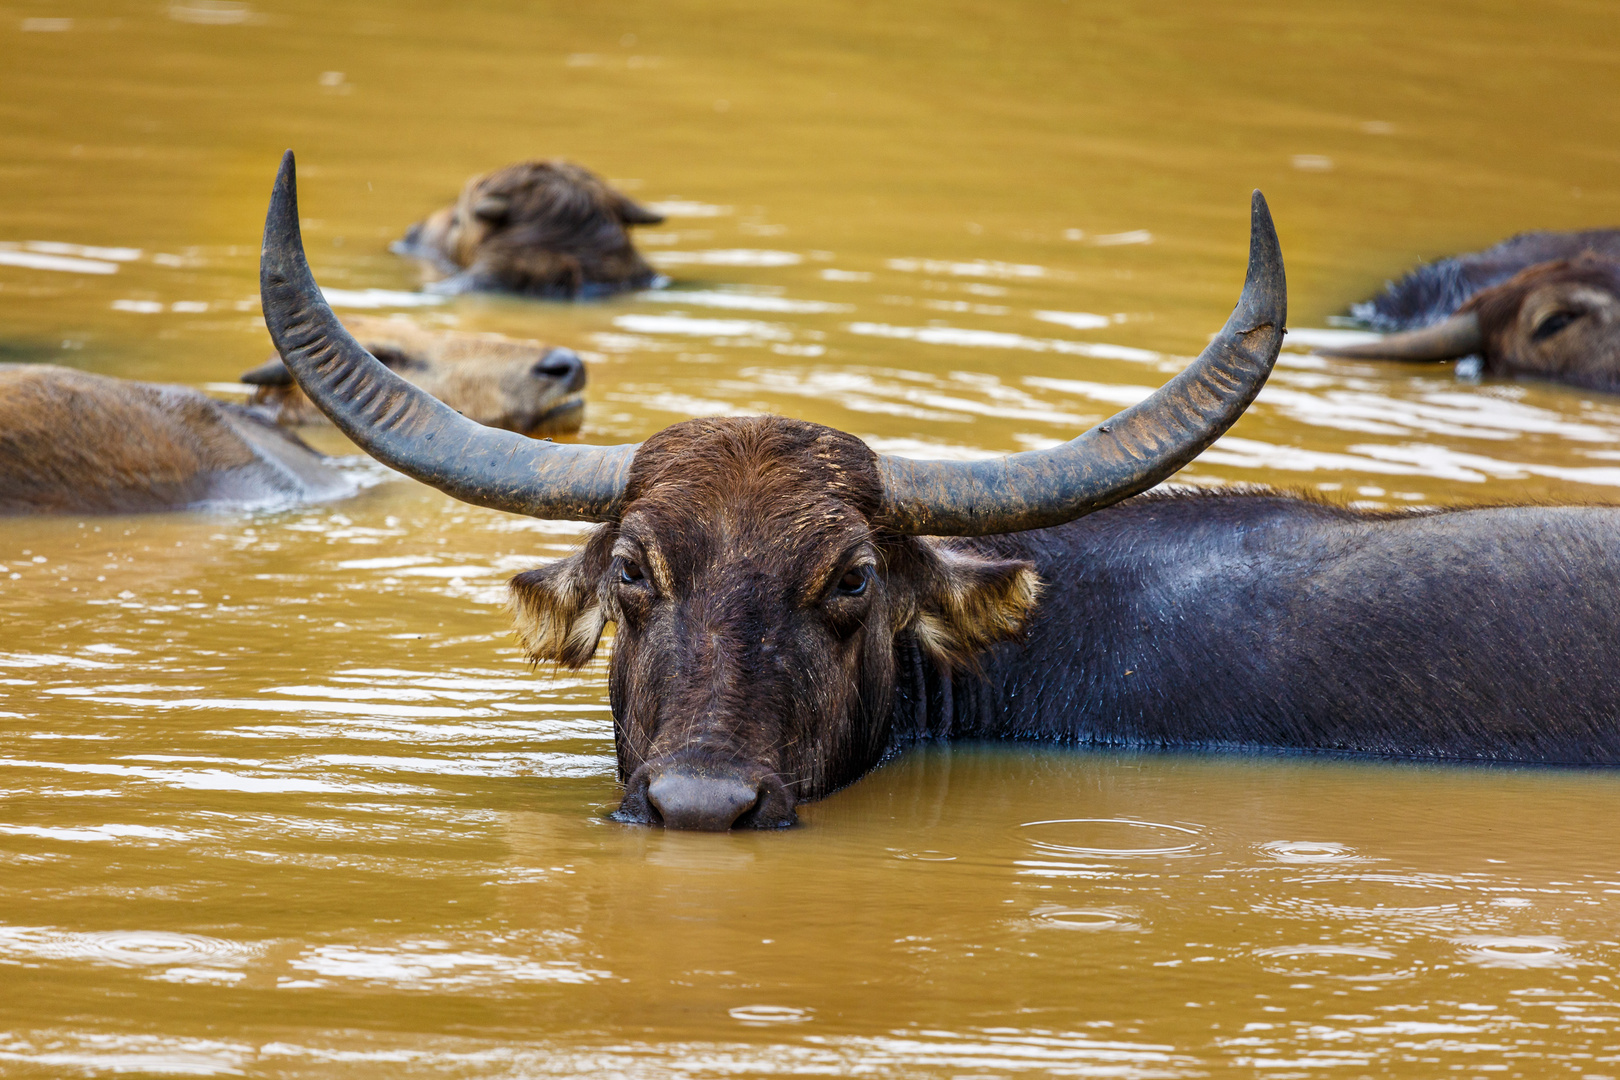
{"type": "Point", "coordinates": [548, 228]}
{"type": "Point", "coordinates": [763, 572]}
{"type": "Point", "coordinates": [523, 386]}
{"type": "Point", "coordinates": [1556, 320]}
{"type": "Point", "coordinates": [758, 601]}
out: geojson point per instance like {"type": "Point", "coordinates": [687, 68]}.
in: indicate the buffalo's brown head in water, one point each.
{"type": "Point", "coordinates": [546, 228]}
{"type": "Point", "coordinates": [766, 575]}
{"type": "Point", "coordinates": [1555, 320]}
{"type": "Point", "coordinates": [523, 386]}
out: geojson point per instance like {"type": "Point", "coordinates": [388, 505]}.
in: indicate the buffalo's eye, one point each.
{"type": "Point", "coordinates": [1553, 323]}
{"type": "Point", "coordinates": [853, 583]}
{"type": "Point", "coordinates": [630, 572]}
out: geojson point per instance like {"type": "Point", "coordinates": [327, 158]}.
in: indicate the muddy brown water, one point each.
{"type": "Point", "coordinates": [279, 798]}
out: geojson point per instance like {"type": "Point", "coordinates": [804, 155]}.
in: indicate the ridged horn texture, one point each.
{"type": "Point", "coordinates": [1456, 336]}
{"type": "Point", "coordinates": [1120, 457]}
{"type": "Point", "coordinates": [404, 427]}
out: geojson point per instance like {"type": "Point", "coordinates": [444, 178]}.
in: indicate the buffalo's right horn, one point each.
{"type": "Point", "coordinates": [1121, 456]}
{"type": "Point", "coordinates": [407, 428]}
{"type": "Point", "coordinates": [1457, 336]}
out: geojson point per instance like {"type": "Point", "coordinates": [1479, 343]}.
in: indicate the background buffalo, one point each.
{"type": "Point", "coordinates": [544, 228]}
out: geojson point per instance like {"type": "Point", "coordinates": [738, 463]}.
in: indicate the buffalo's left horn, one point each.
{"type": "Point", "coordinates": [1456, 336]}
{"type": "Point", "coordinates": [1120, 457]}
{"type": "Point", "coordinates": [405, 427]}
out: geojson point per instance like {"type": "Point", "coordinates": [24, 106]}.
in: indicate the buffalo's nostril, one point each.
{"type": "Point", "coordinates": [563, 365]}
{"type": "Point", "coordinates": [689, 800]}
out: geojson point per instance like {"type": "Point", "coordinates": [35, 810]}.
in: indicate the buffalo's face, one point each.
{"type": "Point", "coordinates": [524, 386]}
{"type": "Point", "coordinates": [757, 612]}
{"type": "Point", "coordinates": [1556, 319]}
{"type": "Point", "coordinates": [527, 387]}
{"type": "Point", "coordinates": [546, 227]}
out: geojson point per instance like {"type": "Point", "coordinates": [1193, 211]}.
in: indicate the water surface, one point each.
{"type": "Point", "coordinates": [278, 796]}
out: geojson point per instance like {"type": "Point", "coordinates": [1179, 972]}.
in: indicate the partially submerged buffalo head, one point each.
{"type": "Point", "coordinates": [1554, 320]}
{"type": "Point", "coordinates": [758, 599]}
{"type": "Point", "coordinates": [522, 386]}
{"type": "Point", "coordinates": [764, 573]}
{"type": "Point", "coordinates": [546, 228]}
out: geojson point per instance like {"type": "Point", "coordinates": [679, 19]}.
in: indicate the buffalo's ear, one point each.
{"type": "Point", "coordinates": [966, 602]}
{"type": "Point", "coordinates": [391, 355]}
{"type": "Point", "coordinates": [556, 610]}
{"type": "Point", "coordinates": [492, 208]}
{"type": "Point", "coordinates": [270, 373]}
{"type": "Point", "coordinates": [633, 213]}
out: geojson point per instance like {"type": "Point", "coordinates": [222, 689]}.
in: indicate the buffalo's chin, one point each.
{"type": "Point", "coordinates": [563, 418]}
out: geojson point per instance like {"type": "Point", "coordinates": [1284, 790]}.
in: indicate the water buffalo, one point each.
{"type": "Point", "coordinates": [1543, 305]}
{"type": "Point", "coordinates": [791, 606]}
{"type": "Point", "coordinates": [545, 228]}
{"type": "Point", "coordinates": [522, 386]}
{"type": "Point", "coordinates": [76, 443]}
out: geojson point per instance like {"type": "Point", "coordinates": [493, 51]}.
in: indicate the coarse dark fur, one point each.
{"type": "Point", "coordinates": [523, 386]}
{"type": "Point", "coordinates": [76, 443]}
{"type": "Point", "coordinates": [1434, 290]}
{"type": "Point", "coordinates": [1272, 622]}
{"type": "Point", "coordinates": [745, 654]}
{"type": "Point", "coordinates": [544, 228]}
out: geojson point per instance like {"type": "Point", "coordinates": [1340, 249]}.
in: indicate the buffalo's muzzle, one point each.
{"type": "Point", "coordinates": [563, 366]}
{"type": "Point", "coordinates": [705, 798]}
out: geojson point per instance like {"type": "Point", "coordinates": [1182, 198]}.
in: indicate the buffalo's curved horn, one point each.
{"type": "Point", "coordinates": [405, 427]}
{"type": "Point", "coordinates": [1457, 336]}
{"type": "Point", "coordinates": [1121, 456]}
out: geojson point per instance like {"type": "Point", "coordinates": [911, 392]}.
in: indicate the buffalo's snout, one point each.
{"type": "Point", "coordinates": [565, 367]}
{"type": "Point", "coordinates": [705, 798]}
{"type": "Point", "coordinates": [704, 803]}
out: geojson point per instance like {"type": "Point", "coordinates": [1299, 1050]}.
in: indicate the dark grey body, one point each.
{"type": "Point", "coordinates": [1230, 622]}
{"type": "Point", "coordinates": [1434, 290]}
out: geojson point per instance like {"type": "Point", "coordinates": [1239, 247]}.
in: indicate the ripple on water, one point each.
{"type": "Point", "coordinates": [1303, 851]}
{"type": "Point", "coordinates": [121, 948]}
{"type": "Point", "coordinates": [765, 1015]}
{"type": "Point", "coordinates": [1118, 838]}
{"type": "Point", "coordinates": [927, 855]}
{"type": "Point", "coordinates": [1489, 950]}
{"type": "Point", "coordinates": [1347, 963]}
{"type": "Point", "coordinates": [1056, 916]}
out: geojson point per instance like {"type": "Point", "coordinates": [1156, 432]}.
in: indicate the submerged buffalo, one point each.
{"type": "Point", "coordinates": [76, 443]}
{"type": "Point", "coordinates": [522, 386]}
{"type": "Point", "coordinates": [545, 228]}
{"type": "Point", "coordinates": [791, 606]}
{"type": "Point", "coordinates": [1543, 305]}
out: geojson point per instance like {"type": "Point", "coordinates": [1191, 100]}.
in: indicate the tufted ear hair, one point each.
{"type": "Point", "coordinates": [966, 602]}
{"type": "Point", "coordinates": [556, 609]}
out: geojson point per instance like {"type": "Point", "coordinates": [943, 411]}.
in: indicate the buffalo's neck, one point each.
{"type": "Point", "coordinates": [1263, 621]}
{"type": "Point", "coordinates": [1126, 617]}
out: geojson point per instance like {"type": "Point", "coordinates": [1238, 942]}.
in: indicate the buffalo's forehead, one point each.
{"type": "Point", "coordinates": [762, 495]}
{"type": "Point", "coordinates": [451, 348]}
{"type": "Point", "coordinates": [1499, 306]}
{"type": "Point", "coordinates": [544, 189]}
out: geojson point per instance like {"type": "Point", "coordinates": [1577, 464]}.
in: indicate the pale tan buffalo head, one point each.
{"type": "Point", "coordinates": [523, 386]}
